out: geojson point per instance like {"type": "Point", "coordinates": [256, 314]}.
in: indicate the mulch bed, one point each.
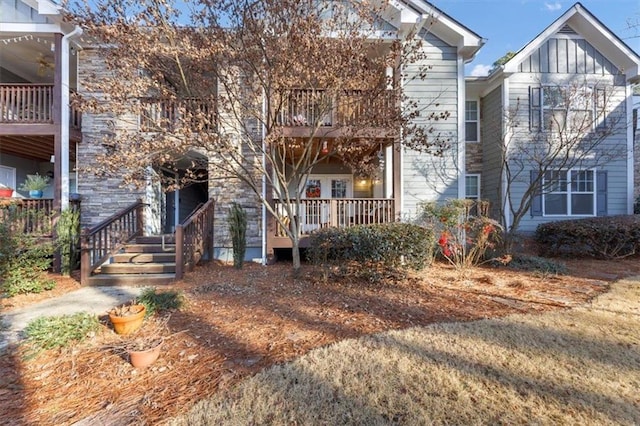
{"type": "Point", "coordinates": [239, 322]}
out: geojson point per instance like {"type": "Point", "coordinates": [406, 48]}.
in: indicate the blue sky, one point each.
{"type": "Point", "coordinates": [510, 24]}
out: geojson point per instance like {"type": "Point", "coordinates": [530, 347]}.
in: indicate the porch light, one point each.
{"type": "Point", "coordinates": [363, 182]}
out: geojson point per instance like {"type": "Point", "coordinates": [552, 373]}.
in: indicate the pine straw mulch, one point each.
{"type": "Point", "coordinates": [239, 322]}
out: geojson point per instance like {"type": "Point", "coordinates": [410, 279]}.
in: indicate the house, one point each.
{"type": "Point", "coordinates": [485, 118]}
{"type": "Point", "coordinates": [559, 112]}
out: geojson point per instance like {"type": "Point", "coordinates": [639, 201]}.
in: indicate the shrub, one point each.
{"type": "Point", "coordinates": [68, 239]}
{"type": "Point", "coordinates": [542, 265]}
{"type": "Point", "coordinates": [392, 246]}
{"type": "Point", "coordinates": [23, 256]}
{"type": "Point", "coordinates": [463, 239]}
{"type": "Point", "coordinates": [59, 331]}
{"type": "Point", "coordinates": [238, 231]}
{"type": "Point", "coordinates": [599, 237]}
{"type": "Point", "coordinates": [163, 301]}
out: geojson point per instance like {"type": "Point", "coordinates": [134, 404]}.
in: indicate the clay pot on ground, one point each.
{"type": "Point", "coordinates": [127, 318]}
{"type": "Point", "coordinates": [142, 355]}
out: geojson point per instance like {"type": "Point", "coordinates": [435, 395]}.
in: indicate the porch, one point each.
{"type": "Point", "coordinates": [319, 213]}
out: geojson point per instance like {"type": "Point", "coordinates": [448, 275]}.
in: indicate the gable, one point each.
{"type": "Point", "coordinates": [568, 53]}
{"type": "Point", "coordinates": [15, 11]}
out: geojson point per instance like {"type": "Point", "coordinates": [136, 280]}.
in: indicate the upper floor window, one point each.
{"type": "Point", "coordinates": [471, 121]}
{"type": "Point", "coordinates": [567, 108]}
{"type": "Point", "coordinates": [472, 185]}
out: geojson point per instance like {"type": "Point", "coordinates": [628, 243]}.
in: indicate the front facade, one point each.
{"type": "Point", "coordinates": [479, 130]}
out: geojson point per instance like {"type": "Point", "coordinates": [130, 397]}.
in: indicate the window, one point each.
{"type": "Point", "coordinates": [472, 185]}
{"type": "Point", "coordinates": [564, 108]}
{"type": "Point", "coordinates": [569, 193]}
{"type": "Point", "coordinates": [471, 121]}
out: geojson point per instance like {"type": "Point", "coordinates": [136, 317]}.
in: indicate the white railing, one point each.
{"type": "Point", "coordinates": [316, 213]}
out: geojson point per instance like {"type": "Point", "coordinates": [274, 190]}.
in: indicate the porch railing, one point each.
{"type": "Point", "coordinates": [306, 107]}
{"type": "Point", "coordinates": [103, 240]}
{"type": "Point", "coordinates": [161, 114]}
{"type": "Point", "coordinates": [317, 213]}
{"type": "Point", "coordinates": [194, 238]}
{"type": "Point", "coordinates": [31, 103]}
{"type": "Point", "coordinates": [32, 216]}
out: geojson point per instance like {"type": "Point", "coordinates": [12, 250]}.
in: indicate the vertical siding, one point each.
{"type": "Point", "coordinates": [492, 114]}
{"type": "Point", "coordinates": [426, 177]}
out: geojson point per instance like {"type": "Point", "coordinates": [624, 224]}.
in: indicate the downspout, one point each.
{"type": "Point", "coordinates": [64, 117]}
{"type": "Point", "coordinates": [263, 130]}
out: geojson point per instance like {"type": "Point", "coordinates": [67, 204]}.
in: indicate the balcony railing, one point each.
{"type": "Point", "coordinates": [168, 114]}
{"type": "Point", "coordinates": [32, 216]}
{"type": "Point", "coordinates": [316, 213]}
{"type": "Point", "coordinates": [306, 107]}
{"type": "Point", "coordinates": [31, 104]}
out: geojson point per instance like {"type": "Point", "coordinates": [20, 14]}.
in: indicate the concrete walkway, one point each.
{"type": "Point", "coordinates": [95, 300]}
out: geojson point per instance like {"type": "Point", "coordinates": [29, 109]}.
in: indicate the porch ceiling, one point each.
{"type": "Point", "coordinates": [32, 147]}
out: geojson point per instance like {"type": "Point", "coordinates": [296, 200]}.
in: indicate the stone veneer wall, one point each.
{"type": "Point", "coordinates": [101, 197]}
{"type": "Point", "coordinates": [473, 157]}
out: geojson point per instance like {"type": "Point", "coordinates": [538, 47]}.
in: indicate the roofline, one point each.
{"type": "Point", "coordinates": [511, 64]}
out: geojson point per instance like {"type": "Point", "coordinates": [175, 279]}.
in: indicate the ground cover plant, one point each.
{"type": "Point", "coordinates": [59, 331]}
{"type": "Point", "coordinates": [237, 323]}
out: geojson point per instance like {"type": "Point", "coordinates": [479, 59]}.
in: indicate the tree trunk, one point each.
{"type": "Point", "coordinates": [295, 254]}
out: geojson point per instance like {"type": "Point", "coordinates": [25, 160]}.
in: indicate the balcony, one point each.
{"type": "Point", "coordinates": [303, 108]}
{"type": "Point", "coordinates": [318, 213]}
{"type": "Point", "coordinates": [158, 115]}
{"type": "Point", "coordinates": [31, 104]}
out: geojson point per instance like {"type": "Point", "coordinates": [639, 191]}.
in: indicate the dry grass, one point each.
{"type": "Point", "coordinates": [579, 366]}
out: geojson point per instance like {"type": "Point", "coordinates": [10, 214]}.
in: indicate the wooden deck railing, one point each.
{"type": "Point", "coordinates": [161, 114]}
{"type": "Point", "coordinates": [104, 240]}
{"type": "Point", "coordinates": [316, 213]}
{"type": "Point", "coordinates": [194, 238]}
{"type": "Point", "coordinates": [31, 104]}
{"type": "Point", "coordinates": [32, 216]}
{"type": "Point", "coordinates": [306, 107]}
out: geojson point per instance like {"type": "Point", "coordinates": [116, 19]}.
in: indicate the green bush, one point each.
{"type": "Point", "coordinates": [599, 237]}
{"type": "Point", "coordinates": [59, 331]}
{"type": "Point", "coordinates": [163, 301]}
{"type": "Point", "coordinates": [23, 257]}
{"type": "Point", "coordinates": [392, 245]}
{"type": "Point", "coordinates": [238, 231]}
{"type": "Point", "coordinates": [542, 265]}
{"type": "Point", "coordinates": [68, 239]}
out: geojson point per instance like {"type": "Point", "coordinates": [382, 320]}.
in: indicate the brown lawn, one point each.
{"type": "Point", "coordinates": [237, 323]}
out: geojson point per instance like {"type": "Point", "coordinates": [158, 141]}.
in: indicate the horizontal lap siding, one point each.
{"type": "Point", "coordinates": [425, 177]}
{"type": "Point", "coordinates": [491, 113]}
{"type": "Point", "coordinates": [617, 169]}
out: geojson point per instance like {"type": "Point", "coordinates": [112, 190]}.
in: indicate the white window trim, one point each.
{"type": "Point", "coordinates": [477, 120]}
{"type": "Point", "coordinates": [569, 193]}
{"type": "Point", "coordinates": [466, 195]}
{"type": "Point", "coordinates": [326, 179]}
{"type": "Point", "coordinates": [596, 117]}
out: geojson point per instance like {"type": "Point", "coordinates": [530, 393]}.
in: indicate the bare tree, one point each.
{"type": "Point", "coordinates": [563, 127]}
{"type": "Point", "coordinates": [259, 91]}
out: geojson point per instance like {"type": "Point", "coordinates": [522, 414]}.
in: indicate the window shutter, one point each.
{"type": "Point", "coordinates": [536, 202]}
{"type": "Point", "coordinates": [601, 193]}
{"type": "Point", "coordinates": [534, 108]}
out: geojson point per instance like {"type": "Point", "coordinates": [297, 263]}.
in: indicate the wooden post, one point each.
{"type": "Point", "coordinates": [211, 231]}
{"type": "Point", "coordinates": [85, 257]}
{"type": "Point", "coordinates": [140, 218]}
{"type": "Point", "coordinates": [179, 252]}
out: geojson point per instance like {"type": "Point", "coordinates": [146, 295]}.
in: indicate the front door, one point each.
{"type": "Point", "coordinates": [318, 191]}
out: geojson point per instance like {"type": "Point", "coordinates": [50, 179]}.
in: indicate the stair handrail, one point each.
{"type": "Point", "coordinates": [194, 237]}
{"type": "Point", "coordinates": [106, 238]}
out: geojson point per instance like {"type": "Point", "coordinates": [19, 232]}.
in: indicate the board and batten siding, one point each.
{"type": "Point", "coordinates": [491, 132]}
{"type": "Point", "coordinates": [427, 177]}
{"type": "Point", "coordinates": [577, 63]}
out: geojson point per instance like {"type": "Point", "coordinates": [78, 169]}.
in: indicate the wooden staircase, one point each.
{"type": "Point", "coordinates": [144, 261]}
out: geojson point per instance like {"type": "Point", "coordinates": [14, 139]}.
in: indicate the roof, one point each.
{"type": "Point", "coordinates": [593, 30]}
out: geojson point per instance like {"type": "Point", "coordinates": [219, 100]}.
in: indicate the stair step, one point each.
{"type": "Point", "coordinates": [143, 268]}
{"type": "Point", "coordinates": [156, 239]}
{"type": "Point", "coordinates": [132, 280]}
{"type": "Point", "coordinates": [141, 258]}
{"type": "Point", "coordinates": [149, 248]}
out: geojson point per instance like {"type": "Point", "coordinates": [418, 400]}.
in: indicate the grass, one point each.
{"type": "Point", "coordinates": [59, 331]}
{"type": "Point", "coordinates": [568, 367]}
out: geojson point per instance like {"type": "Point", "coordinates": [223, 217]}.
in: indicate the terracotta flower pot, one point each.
{"type": "Point", "coordinates": [6, 192]}
{"type": "Point", "coordinates": [144, 358]}
{"type": "Point", "coordinates": [127, 319]}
